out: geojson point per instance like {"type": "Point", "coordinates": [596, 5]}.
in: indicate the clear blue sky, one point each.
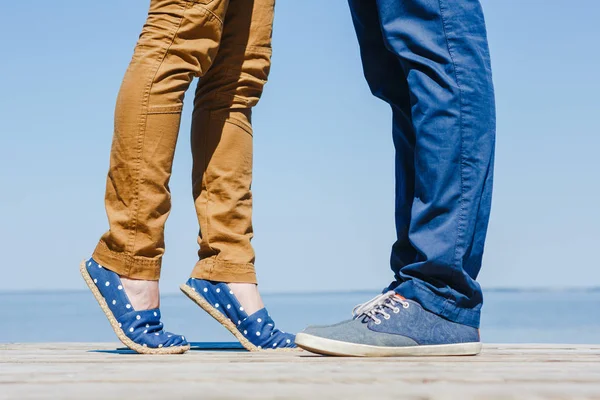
{"type": "Point", "coordinates": [324, 160]}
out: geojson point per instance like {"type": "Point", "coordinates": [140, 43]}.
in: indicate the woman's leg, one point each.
{"type": "Point", "coordinates": [222, 149]}
{"type": "Point", "coordinates": [178, 42]}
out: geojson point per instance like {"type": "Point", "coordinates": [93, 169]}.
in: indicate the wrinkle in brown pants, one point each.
{"type": "Point", "coordinates": [227, 43]}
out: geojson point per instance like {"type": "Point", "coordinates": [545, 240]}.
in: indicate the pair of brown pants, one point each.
{"type": "Point", "coordinates": [227, 43]}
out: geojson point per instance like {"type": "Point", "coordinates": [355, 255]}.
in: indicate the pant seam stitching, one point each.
{"type": "Point", "coordinates": [203, 6]}
{"type": "Point", "coordinates": [239, 124]}
{"type": "Point", "coordinates": [462, 160]}
{"type": "Point", "coordinates": [207, 219]}
{"type": "Point", "coordinates": [127, 258]}
{"type": "Point", "coordinates": [211, 262]}
{"type": "Point", "coordinates": [143, 125]}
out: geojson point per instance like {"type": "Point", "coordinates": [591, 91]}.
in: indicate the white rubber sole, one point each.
{"type": "Point", "coordinates": [331, 347]}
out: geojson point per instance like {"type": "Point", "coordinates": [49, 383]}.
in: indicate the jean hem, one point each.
{"type": "Point", "coordinates": [438, 305]}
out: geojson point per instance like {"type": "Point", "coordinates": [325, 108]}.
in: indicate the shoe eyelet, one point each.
{"type": "Point", "coordinates": [386, 317]}
{"type": "Point", "coordinates": [396, 310]}
{"type": "Point", "coordinates": [405, 305]}
{"type": "Point", "coordinates": [377, 322]}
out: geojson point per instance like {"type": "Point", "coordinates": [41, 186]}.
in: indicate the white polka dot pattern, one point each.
{"type": "Point", "coordinates": [142, 327]}
{"type": "Point", "coordinates": [259, 328]}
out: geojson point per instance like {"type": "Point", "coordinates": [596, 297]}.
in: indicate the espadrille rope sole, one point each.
{"type": "Point", "coordinates": [115, 324]}
{"type": "Point", "coordinates": [216, 314]}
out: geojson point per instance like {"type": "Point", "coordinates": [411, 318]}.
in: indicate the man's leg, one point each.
{"type": "Point", "coordinates": [387, 81]}
{"type": "Point", "coordinates": [444, 130]}
{"type": "Point", "coordinates": [442, 47]}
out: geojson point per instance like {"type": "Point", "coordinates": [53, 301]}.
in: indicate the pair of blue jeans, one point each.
{"type": "Point", "coordinates": [429, 59]}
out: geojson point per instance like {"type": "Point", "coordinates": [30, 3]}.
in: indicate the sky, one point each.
{"type": "Point", "coordinates": [323, 181]}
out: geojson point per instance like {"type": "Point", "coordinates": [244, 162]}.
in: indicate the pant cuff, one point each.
{"type": "Point", "coordinates": [126, 265]}
{"type": "Point", "coordinates": [221, 271]}
{"type": "Point", "coordinates": [438, 305]}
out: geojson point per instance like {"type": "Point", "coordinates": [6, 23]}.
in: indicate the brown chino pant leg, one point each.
{"type": "Point", "coordinates": [222, 142]}
{"type": "Point", "coordinates": [179, 41]}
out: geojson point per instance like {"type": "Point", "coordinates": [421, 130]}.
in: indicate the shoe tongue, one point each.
{"type": "Point", "coordinates": [261, 314]}
{"type": "Point", "coordinates": [147, 320]}
{"type": "Point", "coordinates": [400, 297]}
{"type": "Point", "coordinates": [259, 319]}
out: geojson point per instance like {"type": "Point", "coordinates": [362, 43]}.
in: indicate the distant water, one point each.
{"type": "Point", "coordinates": [508, 317]}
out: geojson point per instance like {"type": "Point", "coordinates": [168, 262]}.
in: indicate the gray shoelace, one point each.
{"type": "Point", "coordinates": [378, 305]}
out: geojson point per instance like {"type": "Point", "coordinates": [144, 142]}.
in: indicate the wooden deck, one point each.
{"type": "Point", "coordinates": [73, 371]}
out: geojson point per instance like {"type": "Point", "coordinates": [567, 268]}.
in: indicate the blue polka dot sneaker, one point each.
{"type": "Point", "coordinates": [255, 332]}
{"type": "Point", "coordinates": [390, 325]}
{"type": "Point", "coordinates": [141, 331]}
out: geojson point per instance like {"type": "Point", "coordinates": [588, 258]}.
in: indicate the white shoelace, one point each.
{"type": "Point", "coordinates": [377, 306]}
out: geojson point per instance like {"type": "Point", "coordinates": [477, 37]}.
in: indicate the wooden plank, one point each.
{"type": "Point", "coordinates": [97, 371]}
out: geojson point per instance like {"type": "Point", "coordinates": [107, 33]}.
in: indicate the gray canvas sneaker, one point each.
{"type": "Point", "coordinates": [390, 325]}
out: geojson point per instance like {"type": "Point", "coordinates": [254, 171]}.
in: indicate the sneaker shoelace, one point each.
{"type": "Point", "coordinates": [379, 305]}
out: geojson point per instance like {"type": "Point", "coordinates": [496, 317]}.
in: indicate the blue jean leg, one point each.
{"type": "Point", "coordinates": [442, 98]}
{"type": "Point", "coordinates": [386, 79]}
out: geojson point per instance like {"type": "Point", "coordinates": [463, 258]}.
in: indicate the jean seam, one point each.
{"type": "Point", "coordinates": [142, 134]}
{"type": "Point", "coordinates": [462, 159]}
